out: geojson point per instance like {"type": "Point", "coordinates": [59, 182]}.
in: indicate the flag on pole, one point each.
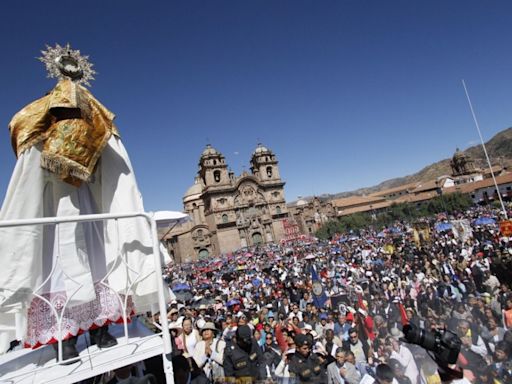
{"type": "Point", "coordinates": [319, 295]}
{"type": "Point", "coordinates": [403, 314]}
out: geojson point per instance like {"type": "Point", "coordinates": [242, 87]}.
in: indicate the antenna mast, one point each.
{"type": "Point", "coordinates": [485, 150]}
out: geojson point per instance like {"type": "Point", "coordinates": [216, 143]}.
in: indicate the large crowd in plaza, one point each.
{"type": "Point", "coordinates": [333, 312]}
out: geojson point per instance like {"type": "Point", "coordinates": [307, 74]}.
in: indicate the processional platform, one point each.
{"type": "Point", "coordinates": [135, 341]}
{"type": "Point", "coordinates": [39, 365]}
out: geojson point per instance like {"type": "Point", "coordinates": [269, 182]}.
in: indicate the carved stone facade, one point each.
{"type": "Point", "coordinates": [229, 212]}
{"type": "Point", "coordinates": [311, 214]}
{"type": "Point", "coordinates": [461, 164]}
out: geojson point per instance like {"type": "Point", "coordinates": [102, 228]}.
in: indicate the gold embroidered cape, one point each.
{"type": "Point", "coordinates": [73, 126]}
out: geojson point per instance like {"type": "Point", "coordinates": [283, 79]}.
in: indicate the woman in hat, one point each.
{"type": "Point", "coordinates": [209, 352]}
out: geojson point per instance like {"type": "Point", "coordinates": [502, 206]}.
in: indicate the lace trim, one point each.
{"type": "Point", "coordinates": [42, 326]}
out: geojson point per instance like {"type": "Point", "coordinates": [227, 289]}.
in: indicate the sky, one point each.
{"type": "Point", "coordinates": [346, 93]}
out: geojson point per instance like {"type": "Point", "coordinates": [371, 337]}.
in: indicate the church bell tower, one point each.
{"type": "Point", "coordinates": [264, 165]}
{"type": "Point", "coordinates": [213, 169]}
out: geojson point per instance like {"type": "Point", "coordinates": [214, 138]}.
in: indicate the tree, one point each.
{"type": "Point", "coordinates": [450, 203]}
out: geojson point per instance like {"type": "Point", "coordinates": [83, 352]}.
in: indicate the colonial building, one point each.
{"type": "Point", "coordinates": [310, 214]}
{"type": "Point", "coordinates": [229, 212]}
{"type": "Point", "coordinates": [465, 178]}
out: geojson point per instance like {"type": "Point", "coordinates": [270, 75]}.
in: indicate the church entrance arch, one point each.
{"type": "Point", "coordinates": [257, 238]}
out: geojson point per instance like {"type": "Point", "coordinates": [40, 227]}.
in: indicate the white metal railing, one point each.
{"type": "Point", "coordinates": [151, 220]}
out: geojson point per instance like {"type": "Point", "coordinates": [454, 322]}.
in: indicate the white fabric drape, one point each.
{"type": "Point", "coordinates": [80, 254]}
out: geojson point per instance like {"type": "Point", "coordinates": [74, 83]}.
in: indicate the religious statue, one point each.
{"type": "Point", "coordinates": [70, 162]}
{"type": "Point", "coordinates": [461, 164]}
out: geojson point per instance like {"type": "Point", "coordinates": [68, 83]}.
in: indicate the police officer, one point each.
{"type": "Point", "coordinates": [243, 360]}
{"type": "Point", "coordinates": [304, 365]}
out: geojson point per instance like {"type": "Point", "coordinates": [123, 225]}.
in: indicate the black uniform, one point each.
{"type": "Point", "coordinates": [243, 360]}
{"type": "Point", "coordinates": [308, 369]}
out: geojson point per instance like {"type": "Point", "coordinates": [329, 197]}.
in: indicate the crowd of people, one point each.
{"type": "Point", "coordinates": [333, 312]}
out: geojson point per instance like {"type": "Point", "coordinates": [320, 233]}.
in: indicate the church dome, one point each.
{"type": "Point", "coordinates": [301, 203]}
{"type": "Point", "coordinates": [261, 149]}
{"type": "Point", "coordinates": [194, 192]}
{"type": "Point", "coordinates": [209, 151]}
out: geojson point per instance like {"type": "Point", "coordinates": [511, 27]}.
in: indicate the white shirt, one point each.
{"type": "Point", "coordinates": [405, 357]}
{"type": "Point", "coordinates": [212, 366]}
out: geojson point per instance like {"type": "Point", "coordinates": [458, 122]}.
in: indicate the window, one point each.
{"type": "Point", "coordinates": [256, 238]}
{"type": "Point", "coordinates": [203, 254]}
{"type": "Point", "coordinates": [278, 210]}
{"type": "Point", "coordinates": [269, 171]}
{"type": "Point", "coordinates": [216, 176]}
{"type": "Point", "coordinates": [224, 218]}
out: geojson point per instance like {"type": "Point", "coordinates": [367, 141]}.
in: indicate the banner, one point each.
{"type": "Point", "coordinates": [319, 296]}
{"type": "Point", "coordinates": [421, 234]}
{"type": "Point", "coordinates": [506, 228]}
{"type": "Point", "coordinates": [461, 229]}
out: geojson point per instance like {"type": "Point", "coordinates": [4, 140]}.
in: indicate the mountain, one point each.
{"type": "Point", "coordinates": [499, 149]}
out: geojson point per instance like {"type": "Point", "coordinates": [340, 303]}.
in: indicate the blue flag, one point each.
{"type": "Point", "coordinates": [319, 296]}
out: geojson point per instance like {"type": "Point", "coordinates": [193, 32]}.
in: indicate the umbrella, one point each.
{"type": "Point", "coordinates": [167, 218]}
{"type": "Point", "coordinates": [205, 286]}
{"type": "Point", "coordinates": [485, 221]}
{"type": "Point", "coordinates": [310, 256]}
{"type": "Point", "coordinates": [441, 227]}
{"type": "Point", "coordinates": [203, 301]}
{"type": "Point", "coordinates": [232, 302]}
{"type": "Point", "coordinates": [183, 295]}
{"type": "Point", "coordinates": [181, 287]}
{"type": "Point", "coordinates": [227, 277]}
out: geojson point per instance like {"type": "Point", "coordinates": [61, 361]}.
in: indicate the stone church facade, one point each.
{"type": "Point", "coordinates": [229, 212]}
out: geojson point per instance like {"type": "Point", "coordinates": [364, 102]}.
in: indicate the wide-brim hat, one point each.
{"type": "Point", "coordinates": [396, 333]}
{"type": "Point", "coordinates": [307, 327]}
{"type": "Point", "coordinates": [178, 324]}
{"type": "Point", "coordinates": [209, 325]}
